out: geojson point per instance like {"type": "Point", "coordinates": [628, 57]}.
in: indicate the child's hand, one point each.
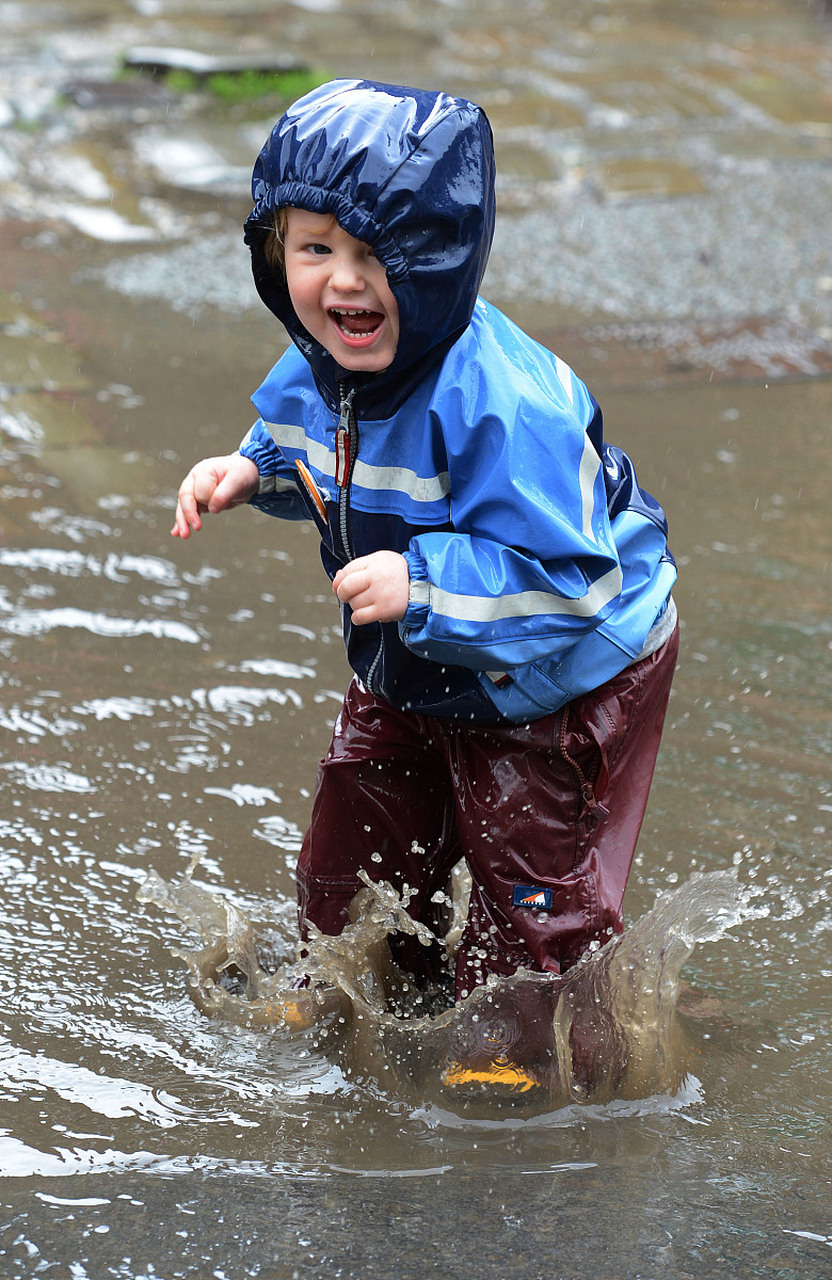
{"type": "Point", "coordinates": [376, 587]}
{"type": "Point", "coordinates": [213, 485]}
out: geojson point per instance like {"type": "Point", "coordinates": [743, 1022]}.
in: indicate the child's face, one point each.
{"type": "Point", "coordinates": [340, 292]}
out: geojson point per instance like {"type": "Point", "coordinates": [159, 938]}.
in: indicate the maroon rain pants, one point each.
{"type": "Point", "coordinates": [545, 814]}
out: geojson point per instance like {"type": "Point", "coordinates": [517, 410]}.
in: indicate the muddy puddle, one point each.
{"type": "Point", "coordinates": [170, 1107]}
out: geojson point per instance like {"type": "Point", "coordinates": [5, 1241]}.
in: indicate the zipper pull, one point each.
{"type": "Point", "coordinates": [343, 439]}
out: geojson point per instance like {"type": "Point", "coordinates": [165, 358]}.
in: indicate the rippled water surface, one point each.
{"type": "Point", "coordinates": [664, 191]}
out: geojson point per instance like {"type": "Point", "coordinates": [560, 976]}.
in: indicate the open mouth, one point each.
{"type": "Point", "coordinates": [356, 327]}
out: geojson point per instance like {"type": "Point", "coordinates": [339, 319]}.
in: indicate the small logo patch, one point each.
{"type": "Point", "coordinates": [529, 895]}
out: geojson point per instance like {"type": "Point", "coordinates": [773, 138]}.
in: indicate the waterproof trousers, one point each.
{"type": "Point", "coordinates": [545, 814]}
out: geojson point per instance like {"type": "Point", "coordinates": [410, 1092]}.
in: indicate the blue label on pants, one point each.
{"type": "Point", "coordinates": [528, 895]}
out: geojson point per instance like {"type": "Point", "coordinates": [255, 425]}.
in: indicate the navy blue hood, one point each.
{"type": "Point", "coordinates": [408, 171]}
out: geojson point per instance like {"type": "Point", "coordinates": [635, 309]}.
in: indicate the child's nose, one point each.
{"type": "Point", "coordinates": [346, 274]}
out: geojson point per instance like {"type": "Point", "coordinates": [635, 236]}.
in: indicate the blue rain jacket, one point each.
{"type": "Point", "coordinates": [537, 564]}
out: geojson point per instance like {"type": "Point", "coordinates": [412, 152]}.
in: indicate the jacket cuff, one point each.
{"type": "Point", "coordinates": [419, 602]}
{"type": "Point", "coordinates": [258, 445]}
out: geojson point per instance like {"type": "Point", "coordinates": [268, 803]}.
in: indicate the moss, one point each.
{"type": "Point", "coordinates": [180, 81]}
{"type": "Point", "coordinates": [236, 87]}
{"type": "Point", "coordinates": [249, 86]}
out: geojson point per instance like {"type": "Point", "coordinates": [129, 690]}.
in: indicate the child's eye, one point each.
{"type": "Point", "coordinates": [318, 249]}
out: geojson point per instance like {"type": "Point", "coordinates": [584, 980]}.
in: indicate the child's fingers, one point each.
{"type": "Point", "coordinates": [375, 587]}
{"type": "Point", "coordinates": [189, 508]}
{"type": "Point", "coordinates": [354, 592]}
{"type": "Point", "coordinates": [233, 482]}
{"type": "Point", "coordinates": [185, 524]}
{"type": "Point", "coordinates": [181, 521]}
{"type": "Point", "coordinates": [369, 613]}
{"type": "Point", "coordinates": [187, 512]}
{"type": "Point", "coordinates": [350, 580]}
{"type": "Point", "coordinates": [357, 590]}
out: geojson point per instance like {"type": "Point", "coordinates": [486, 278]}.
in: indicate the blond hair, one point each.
{"type": "Point", "coordinates": [273, 245]}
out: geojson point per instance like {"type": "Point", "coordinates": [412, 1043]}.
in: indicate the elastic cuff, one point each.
{"type": "Point", "coordinates": [419, 596]}
{"type": "Point", "coordinates": [259, 448]}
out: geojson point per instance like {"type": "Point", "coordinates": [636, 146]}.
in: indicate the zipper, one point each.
{"type": "Point", "coordinates": [346, 451]}
{"type": "Point", "coordinates": [593, 810]}
{"type": "Point", "coordinates": [346, 454]}
{"type": "Point", "coordinates": [369, 679]}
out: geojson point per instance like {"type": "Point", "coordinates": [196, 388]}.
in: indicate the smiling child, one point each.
{"type": "Point", "coordinates": [504, 581]}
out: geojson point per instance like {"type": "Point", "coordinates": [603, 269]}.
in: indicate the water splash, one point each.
{"type": "Point", "coordinates": [607, 1029]}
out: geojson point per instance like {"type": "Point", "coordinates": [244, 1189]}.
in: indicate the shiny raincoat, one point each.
{"type": "Point", "coordinates": [538, 566]}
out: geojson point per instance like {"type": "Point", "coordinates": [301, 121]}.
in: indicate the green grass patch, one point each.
{"type": "Point", "coordinates": [179, 81]}
{"type": "Point", "coordinates": [235, 88]}
{"type": "Point", "coordinates": [251, 86]}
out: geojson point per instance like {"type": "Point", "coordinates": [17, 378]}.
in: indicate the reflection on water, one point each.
{"type": "Point", "coordinates": [162, 703]}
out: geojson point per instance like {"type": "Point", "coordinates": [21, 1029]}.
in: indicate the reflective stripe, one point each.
{"type": "Point", "coordinates": [565, 376]}
{"type": "Point", "coordinates": [403, 480]}
{"type": "Point", "coordinates": [287, 435]}
{"type": "Point", "coordinates": [275, 484]}
{"type": "Point", "coordinates": [588, 470]}
{"type": "Point", "coordinates": [419, 592]}
{"type": "Point", "coordinates": [526, 604]}
{"type": "Point", "coordinates": [366, 475]}
{"type": "Point", "coordinates": [318, 454]}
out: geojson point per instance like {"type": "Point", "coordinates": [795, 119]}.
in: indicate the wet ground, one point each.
{"type": "Point", "coordinates": [665, 187]}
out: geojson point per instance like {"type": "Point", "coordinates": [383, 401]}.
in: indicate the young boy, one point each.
{"type": "Point", "coordinates": [504, 582]}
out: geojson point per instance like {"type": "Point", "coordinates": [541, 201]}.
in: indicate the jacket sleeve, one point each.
{"type": "Point", "coordinates": [278, 493]}
{"type": "Point", "coordinates": [531, 563]}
